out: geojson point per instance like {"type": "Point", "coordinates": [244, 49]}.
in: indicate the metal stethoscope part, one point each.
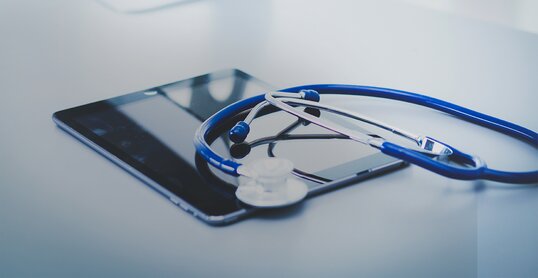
{"type": "Point", "coordinates": [429, 153]}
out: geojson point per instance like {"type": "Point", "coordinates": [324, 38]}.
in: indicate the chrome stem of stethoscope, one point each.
{"type": "Point", "coordinates": [356, 116]}
{"type": "Point", "coordinates": [297, 98]}
{"type": "Point", "coordinates": [254, 111]}
{"type": "Point", "coordinates": [280, 103]}
{"type": "Point", "coordinates": [425, 144]}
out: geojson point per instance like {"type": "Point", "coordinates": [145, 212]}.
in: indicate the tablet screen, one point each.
{"type": "Point", "coordinates": [152, 131]}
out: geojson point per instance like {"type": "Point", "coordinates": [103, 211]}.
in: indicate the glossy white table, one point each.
{"type": "Point", "coordinates": [67, 211]}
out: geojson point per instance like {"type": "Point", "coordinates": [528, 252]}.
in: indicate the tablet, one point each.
{"type": "Point", "coordinates": [149, 133]}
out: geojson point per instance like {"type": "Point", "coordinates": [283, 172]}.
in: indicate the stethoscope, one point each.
{"type": "Point", "coordinates": [269, 183]}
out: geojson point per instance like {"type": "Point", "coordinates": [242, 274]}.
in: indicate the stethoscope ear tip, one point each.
{"type": "Point", "coordinates": [239, 132]}
{"type": "Point", "coordinates": [240, 150]}
{"type": "Point", "coordinates": [312, 111]}
{"type": "Point", "coordinates": [311, 95]}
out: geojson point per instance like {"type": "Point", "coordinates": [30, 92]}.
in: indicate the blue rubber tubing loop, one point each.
{"type": "Point", "coordinates": [388, 148]}
{"type": "Point", "coordinates": [466, 114]}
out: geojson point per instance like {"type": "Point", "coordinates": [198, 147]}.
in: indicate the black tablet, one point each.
{"type": "Point", "coordinates": [150, 134]}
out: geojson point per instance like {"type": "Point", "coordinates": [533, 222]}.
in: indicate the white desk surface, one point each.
{"type": "Point", "coordinates": [67, 211]}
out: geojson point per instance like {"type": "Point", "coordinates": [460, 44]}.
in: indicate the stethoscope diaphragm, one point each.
{"type": "Point", "coordinates": [270, 184]}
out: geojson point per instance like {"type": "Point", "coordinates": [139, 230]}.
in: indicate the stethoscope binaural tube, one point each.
{"type": "Point", "coordinates": [478, 169]}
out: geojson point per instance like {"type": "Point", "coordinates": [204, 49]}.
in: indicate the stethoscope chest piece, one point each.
{"type": "Point", "coordinates": [270, 184]}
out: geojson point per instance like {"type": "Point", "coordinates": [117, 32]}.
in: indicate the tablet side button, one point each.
{"type": "Point", "coordinates": [174, 200]}
{"type": "Point", "coordinates": [184, 207]}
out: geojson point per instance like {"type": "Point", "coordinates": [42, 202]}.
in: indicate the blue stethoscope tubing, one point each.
{"type": "Point", "coordinates": [479, 172]}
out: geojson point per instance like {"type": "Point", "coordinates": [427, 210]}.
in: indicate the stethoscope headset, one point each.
{"type": "Point", "coordinates": [270, 184]}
